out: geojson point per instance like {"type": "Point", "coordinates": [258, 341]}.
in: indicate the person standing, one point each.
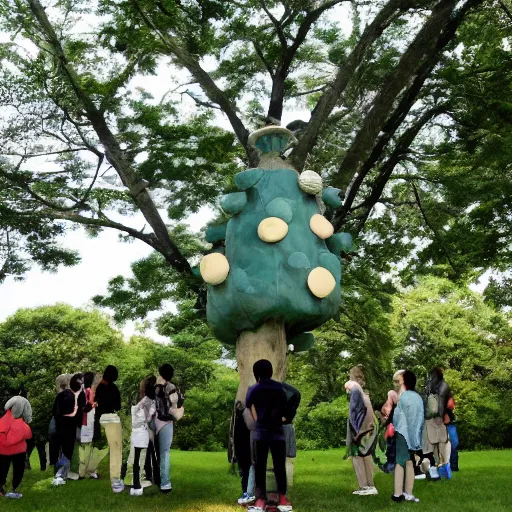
{"type": "Point", "coordinates": [108, 404]}
{"type": "Point", "coordinates": [67, 411]}
{"type": "Point", "coordinates": [169, 408]}
{"type": "Point", "coordinates": [362, 432]}
{"type": "Point", "coordinates": [267, 401]}
{"type": "Point", "coordinates": [436, 442]}
{"type": "Point", "coordinates": [408, 421]}
{"type": "Point", "coordinates": [142, 414]}
{"type": "Point", "coordinates": [14, 433]}
{"type": "Point", "coordinates": [386, 418]}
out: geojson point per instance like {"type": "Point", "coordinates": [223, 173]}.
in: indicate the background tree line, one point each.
{"type": "Point", "coordinates": [434, 323]}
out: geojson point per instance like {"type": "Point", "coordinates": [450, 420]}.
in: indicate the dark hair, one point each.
{"type": "Point", "coordinates": [88, 379]}
{"type": "Point", "coordinates": [110, 374]}
{"type": "Point", "coordinates": [436, 371]}
{"type": "Point", "coordinates": [262, 369]}
{"type": "Point", "coordinates": [149, 390]}
{"type": "Point", "coordinates": [76, 382]}
{"type": "Point", "coordinates": [166, 371]}
{"type": "Point", "coordinates": [409, 380]}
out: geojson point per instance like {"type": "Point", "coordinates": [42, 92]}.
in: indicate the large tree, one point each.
{"type": "Point", "coordinates": [85, 147]}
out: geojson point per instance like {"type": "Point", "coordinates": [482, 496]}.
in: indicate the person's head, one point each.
{"type": "Point", "coordinates": [398, 380]}
{"type": "Point", "coordinates": [76, 382]}
{"type": "Point", "coordinates": [88, 379]}
{"type": "Point", "coordinates": [262, 369]}
{"type": "Point", "coordinates": [437, 374]}
{"type": "Point", "coordinates": [62, 382]}
{"type": "Point", "coordinates": [409, 380]}
{"type": "Point", "coordinates": [110, 374]}
{"type": "Point", "coordinates": [149, 389]}
{"type": "Point", "coordinates": [166, 371]}
{"type": "Point", "coordinates": [356, 374]}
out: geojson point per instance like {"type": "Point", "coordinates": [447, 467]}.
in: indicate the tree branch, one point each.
{"type": "Point", "coordinates": [377, 187]}
{"type": "Point", "coordinates": [113, 150]}
{"type": "Point", "coordinates": [216, 95]}
{"type": "Point", "coordinates": [199, 102]}
{"type": "Point", "coordinates": [333, 92]}
{"type": "Point", "coordinates": [279, 29]}
{"type": "Point", "coordinates": [505, 9]}
{"type": "Point", "coordinates": [436, 33]}
{"type": "Point", "coordinates": [259, 52]}
{"type": "Point", "coordinates": [433, 229]}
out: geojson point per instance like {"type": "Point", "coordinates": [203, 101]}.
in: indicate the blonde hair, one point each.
{"type": "Point", "coordinates": [356, 374]}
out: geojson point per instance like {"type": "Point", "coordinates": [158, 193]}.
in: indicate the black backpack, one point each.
{"type": "Point", "coordinates": [163, 402]}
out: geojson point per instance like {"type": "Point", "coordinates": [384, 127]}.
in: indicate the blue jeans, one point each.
{"type": "Point", "coordinates": [165, 441]}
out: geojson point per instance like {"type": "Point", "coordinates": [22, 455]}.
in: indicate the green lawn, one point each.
{"type": "Point", "coordinates": [323, 482]}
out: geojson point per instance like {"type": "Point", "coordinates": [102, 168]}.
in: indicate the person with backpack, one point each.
{"type": "Point", "coordinates": [267, 402]}
{"type": "Point", "coordinates": [67, 411]}
{"type": "Point", "coordinates": [14, 433]}
{"type": "Point", "coordinates": [436, 444]}
{"type": "Point", "coordinates": [108, 404]}
{"type": "Point", "coordinates": [169, 408]}
{"type": "Point", "coordinates": [408, 421]}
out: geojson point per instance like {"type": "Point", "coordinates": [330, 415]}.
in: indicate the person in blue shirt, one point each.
{"type": "Point", "coordinates": [408, 421]}
{"type": "Point", "coordinates": [267, 402]}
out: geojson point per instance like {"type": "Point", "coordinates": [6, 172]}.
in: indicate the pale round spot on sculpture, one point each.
{"type": "Point", "coordinates": [272, 229]}
{"type": "Point", "coordinates": [310, 182]}
{"type": "Point", "coordinates": [321, 282]}
{"type": "Point", "coordinates": [214, 268]}
{"type": "Point", "coordinates": [321, 226]}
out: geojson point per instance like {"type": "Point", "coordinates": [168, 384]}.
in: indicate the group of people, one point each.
{"type": "Point", "coordinates": [85, 413]}
{"type": "Point", "coordinates": [420, 433]}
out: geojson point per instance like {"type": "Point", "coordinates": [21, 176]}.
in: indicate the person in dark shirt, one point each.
{"type": "Point", "coordinates": [108, 403]}
{"type": "Point", "coordinates": [67, 411]}
{"type": "Point", "coordinates": [267, 402]}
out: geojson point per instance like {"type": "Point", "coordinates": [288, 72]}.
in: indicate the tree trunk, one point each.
{"type": "Point", "coordinates": [267, 342]}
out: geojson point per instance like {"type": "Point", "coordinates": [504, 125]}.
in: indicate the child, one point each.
{"type": "Point", "coordinates": [142, 414]}
{"type": "Point", "coordinates": [267, 402]}
{"type": "Point", "coordinates": [14, 432]}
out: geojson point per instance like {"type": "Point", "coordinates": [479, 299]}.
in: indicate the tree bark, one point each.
{"type": "Point", "coordinates": [267, 342]}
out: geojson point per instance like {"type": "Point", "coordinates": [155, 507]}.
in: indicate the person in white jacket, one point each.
{"type": "Point", "coordinates": [142, 414]}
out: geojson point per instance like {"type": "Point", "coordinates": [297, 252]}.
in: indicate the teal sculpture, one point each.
{"type": "Point", "coordinates": [278, 276]}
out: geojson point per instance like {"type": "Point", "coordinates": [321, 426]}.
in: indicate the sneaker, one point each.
{"type": "Point", "coordinates": [94, 476]}
{"type": "Point", "coordinates": [398, 498]}
{"type": "Point", "coordinates": [166, 488]}
{"type": "Point", "coordinates": [448, 470]}
{"type": "Point", "coordinates": [368, 491]}
{"type": "Point", "coordinates": [146, 483]}
{"type": "Point", "coordinates": [246, 499]}
{"type": "Point", "coordinates": [14, 495]}
{"type": "Point", "coordinates": [284, 505]}
{"type": "Point", "coordinates": [136, 492]}
{"type": "Point", "coordinates": [117, 486]}
{"type": "Point", "coordinates": [58, 480]}
{"type": "Point", "coordinates": [410, 497]}
{"type": "Point", "coordinates": [73, 476]}
{"type": "Point", "coordinates": [259, 506]}
{"type": "Point", "coordinates": [421, 476]}
{"type": "Point", "coordinates": [434, 473]}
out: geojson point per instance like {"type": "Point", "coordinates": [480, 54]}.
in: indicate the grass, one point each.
{"type": "Point", "coordinates": [323, 482]}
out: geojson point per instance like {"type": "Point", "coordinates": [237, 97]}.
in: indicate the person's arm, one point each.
{"type": "Point", "coordinates": [249, 403]}
{"type": "Point", "coordinates": [253, 412]}
{"type": "Point", "coordinates": [117, 399]}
